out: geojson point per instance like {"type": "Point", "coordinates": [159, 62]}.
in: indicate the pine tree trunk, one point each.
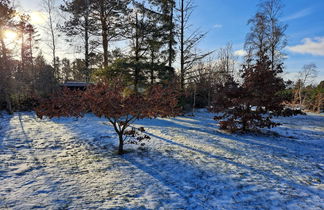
{"type": "Point", "coordinates": [104, 34]}
{"type": "Point", "coordinates": [170, 58]}
{"type": "Point", "coordinates": [6, 75]}
{"type": "Point", "coordinates": [152, 70]}
{"type": "Point", "coordinates": [105, 49]}
{"type": "Point", "coordinates": [137, 58]}
{"type": "Point", "coordinates": [86, 44]}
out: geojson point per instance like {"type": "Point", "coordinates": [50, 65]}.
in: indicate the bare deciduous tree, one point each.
{"type": "Point", "coordinates": [49, 7]}
{"type": "Point", "coordinates": [189, 55]}
{"type": "Point", "coordinates": [226, 62]}
{"type": "Point", "coordinates": [277, 41]}
{"type": "Point", "coordinates": [267, 33]}
{"type": "Point", "coordinates": [305, 77]}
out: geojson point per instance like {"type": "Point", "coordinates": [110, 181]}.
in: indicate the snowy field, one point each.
{"type": "Point", "coordinates": [188, 164]}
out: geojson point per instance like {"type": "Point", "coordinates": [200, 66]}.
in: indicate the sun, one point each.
{"type": "Point", "coordinates": [10, 35]}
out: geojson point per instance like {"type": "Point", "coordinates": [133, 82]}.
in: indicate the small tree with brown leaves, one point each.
{"type": "Point", "coordinates": [114, 103]}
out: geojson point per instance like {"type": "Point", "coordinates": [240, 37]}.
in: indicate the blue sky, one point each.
{"type": "Point", "coordinates": [226, 21]}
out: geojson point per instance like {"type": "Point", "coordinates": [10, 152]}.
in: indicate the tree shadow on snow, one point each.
{"type": "Point", "coordinates": [262, 142]}
{"type": "Point", "coordinates": [183, 177]}
{"type": "Point", "coordinates": [179, 176]}
{"type": "Point", "coordinates": [4, 126]}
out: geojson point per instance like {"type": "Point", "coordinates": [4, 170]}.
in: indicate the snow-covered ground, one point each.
{"type": "Point", "coordinates": [188, 164]}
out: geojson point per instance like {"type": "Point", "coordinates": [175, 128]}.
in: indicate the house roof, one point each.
{"type": "Point", "coordinates": [75, 84]}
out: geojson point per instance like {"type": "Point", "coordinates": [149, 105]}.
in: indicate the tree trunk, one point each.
{"type": "Point", "coordinates": [137, 55]}
{"type": "Point", "coordinates": [209, 98]}
{"type": "Point", "coordinates": [105, 49]}
{"type": "Point", "coordinates": [86, 44]}
{"type": "Point", "coordinates": [272, 59]}
{"type": "Point", "coordinates": [300, 97]}
{"type": "Point", "coordinates": [170, 56]}
{"type": "Point", "coordinates": [8, 102]}
{"type": "Point", "coordinates": [6, 72]}
{"type": "Point", "coordinates": [152, 69]}
{"type": "Point", "coordinates": [319, 102]}
{"type": "Point", "coordinates": [182, 73]}
{"type": "Point", "coordinates": [104, 34]}
{"type": "Point", "coordinates": [121, 144]}
{"type": "Point", "coordinates": [194, 100]}
{"type": "Point", "coordinates": [120, 132]}
{"type": "Point", "coordinates": [244, 125]}
{"type": "Point", "coordinates": [22, 52]}
{"type": "Point", "coordinates": [50, 18]}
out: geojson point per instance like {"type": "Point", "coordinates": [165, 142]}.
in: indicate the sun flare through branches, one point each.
{"type": "Point", "coordinates": [10, 35]}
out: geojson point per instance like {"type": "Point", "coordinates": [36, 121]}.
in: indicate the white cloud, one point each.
{"type": "Point", "coordinates": [311, 46]}
{"type": "Point", "coordinates": [240, 53]}
{"type": "Point", "coordinates": [217, 26]}
{"type": "Point", "coordinates": [297, 15]}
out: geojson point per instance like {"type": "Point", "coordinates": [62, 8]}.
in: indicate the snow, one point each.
{"type": "Point", "coordinates": [189, 163]}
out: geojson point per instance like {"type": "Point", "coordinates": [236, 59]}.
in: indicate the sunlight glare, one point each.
{"type": "Point", "coordinates": [10, 35]}
{"type": "Point", "coordinates": [37, 18]}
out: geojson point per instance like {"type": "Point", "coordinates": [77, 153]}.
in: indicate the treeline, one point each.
{"type": "Point", "coordinates": [20, 78]}
{"type": "Point", "coordinates": [157, 45]}
{"type": "Point", "coordinates": [155, 35]}
{"type": "Point", "coordinates": [307, 97]}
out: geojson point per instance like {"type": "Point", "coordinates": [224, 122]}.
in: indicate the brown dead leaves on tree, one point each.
{"type": "Point", "coordinates": [115, 102]}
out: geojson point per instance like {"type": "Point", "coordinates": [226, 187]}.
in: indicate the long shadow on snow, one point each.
{"type": "Point", "coordinates": [79, 130]}
{"type": "Point", "coordinates": [4, 127]}
{"type": "Point", "coordinates": [267, 174]}
{"type": "Point", "coordinates": [248, 140]}
{"type": "Point", "coordinates": [292, 126]}
{"type": "Point", "coordinates": [181, 177]}
{"type": "Point", "coordinates": [152, 171]}
{"type": "Point", "coordinates": [162, 172]}
{"type": "Point", "coordinates": [279, 148]}
{"type": "Point", "coordinates": [258, 144]}
{"type": "Point", "coordinates": [258, 141]}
